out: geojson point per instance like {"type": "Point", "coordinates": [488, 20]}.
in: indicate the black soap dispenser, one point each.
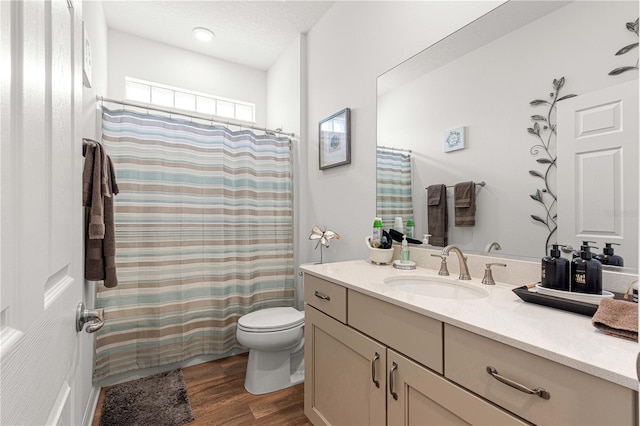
{"type": "Point", "coordinates": [555, 270]}
{"type": "Point", "coordinates": [586, 273]}
{"type": "Point", "coordinates": [608, 258]}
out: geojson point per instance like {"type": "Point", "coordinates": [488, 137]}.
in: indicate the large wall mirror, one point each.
{"type": "Point", "coordinates": [483, 78]}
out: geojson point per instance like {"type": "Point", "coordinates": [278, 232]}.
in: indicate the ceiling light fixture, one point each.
{"type": "Point", "coordinates": [203, 34]}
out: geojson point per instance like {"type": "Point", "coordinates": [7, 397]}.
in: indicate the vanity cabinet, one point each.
{"type": "Point", "coordinates": [368, 361]}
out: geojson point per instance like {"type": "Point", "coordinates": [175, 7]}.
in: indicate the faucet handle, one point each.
{"type": "Point", "coordinates": [443, 264]}
{"type": "Point", "coordinates": [488, 275]}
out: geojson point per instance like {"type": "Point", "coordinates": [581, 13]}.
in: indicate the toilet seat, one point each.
{"type": "Point", "coordinates": [271, 320]}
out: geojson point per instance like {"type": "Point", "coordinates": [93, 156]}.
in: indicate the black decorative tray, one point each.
{"type": "Point", "coordinates": [575, 306]}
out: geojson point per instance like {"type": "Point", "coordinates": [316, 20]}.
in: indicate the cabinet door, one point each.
{"type": "Point", "coordinates": [344, 374]}
{"type": "Point", "coordinates": [417, 396]}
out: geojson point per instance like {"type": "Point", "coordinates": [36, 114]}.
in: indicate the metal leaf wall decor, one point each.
{"type": "Point", "coordinates": [633, 27]}
{"type": "Point", "coordinates": [544, 130]}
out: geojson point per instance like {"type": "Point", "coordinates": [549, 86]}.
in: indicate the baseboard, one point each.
{"type": "Point", "coordinates": [92, 404]}
{"type": "Point", "coordinates": [144, 372]}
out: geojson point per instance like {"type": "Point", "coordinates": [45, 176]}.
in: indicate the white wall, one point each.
{"type": "Point", "coordinates": [347, 49]}
{"type": "Point", "coordinates": [286, 109]}
{"type": "Point", "coordinates": [131, 56]}
{"type": "Point", "coordinates": [96, 27]}
{"type": "Point", "coordinates": [489, 91]}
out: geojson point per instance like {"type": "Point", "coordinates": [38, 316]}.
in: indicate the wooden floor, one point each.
{"type": "Point", "coordinates": [217, 396]}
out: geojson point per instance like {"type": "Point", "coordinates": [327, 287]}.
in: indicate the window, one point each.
{"type": "Point", "coordinates": [157, 94]}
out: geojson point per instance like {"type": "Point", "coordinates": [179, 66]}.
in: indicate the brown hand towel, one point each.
{"type": "Point", "coordinates": [617, 318]}
{"type": "Point", "coordinates": [109, 246]}
{"type": "Point", "coordinates": [96, 216]}
{"type": "Point", "coordinates": [109, 242]}
{"type": "Point", "coordinates": [464, 195]}
{"type": "Point", "coordinates": [437, 215]}
{"type": "Point", "coordinates": [98, 187]}
{"type": "Point", "coordinates": [87, 175]}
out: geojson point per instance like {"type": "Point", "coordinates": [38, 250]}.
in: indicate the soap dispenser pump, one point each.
{"type": "Point", "coordinates": [555, 270]}
{"type": "Point", "coordinates": [608, 258]}
{"type": "Point", "coordinates": [576, 253]}
{"type": "Point", "coordinates": [586, 273]}
{"type": "Point", "coordinates": [404, 251]}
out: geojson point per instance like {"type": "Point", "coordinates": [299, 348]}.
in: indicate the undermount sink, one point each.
{"type": "Point", "coordinates": [437, 287]}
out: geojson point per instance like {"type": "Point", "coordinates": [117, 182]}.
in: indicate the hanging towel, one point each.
{"type": "Point", "coordinates": [98, 187]}
{"type": "Point", "coordinates": [437, 215]}
{"type": "Point", "coordinates": [617, 318]}
{"type": "Point", "coordinates": [464, 196]}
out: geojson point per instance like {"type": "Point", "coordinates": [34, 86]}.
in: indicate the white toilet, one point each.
{"type": "Point", "coordinates": [275, 338]}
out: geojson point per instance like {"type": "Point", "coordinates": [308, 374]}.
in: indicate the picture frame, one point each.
{"type": "Point", "coordinates": [86, 57]}
{"type": "Point", "coordinates": [454, 139]}
{"type": "Point", "coordinates": [334, 140]}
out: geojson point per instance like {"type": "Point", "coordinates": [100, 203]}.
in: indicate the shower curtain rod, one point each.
{"type": "Point", "coordinates": [389, 148]}
{"type": "Point", "coordinates": [211, 118]}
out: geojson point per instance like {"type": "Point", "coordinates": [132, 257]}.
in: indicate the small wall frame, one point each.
{"type": "Point", "coordinates": [334, 139]}
{"type": "Point", "coordinates": [454, 139]}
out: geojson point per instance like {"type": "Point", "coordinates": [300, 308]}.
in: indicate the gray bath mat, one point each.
{"type": "Point", "coordinates": [159, 400]}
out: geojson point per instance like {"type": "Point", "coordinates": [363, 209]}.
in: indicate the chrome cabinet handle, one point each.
{"type": "Point", "coordinates": [376, 382]}
{"type": "Point", "coordinates": [393, 393]}
{"type": "Point", "coordinates": [321, 296]}
{"type": "Point", "coordinates": [541, 392]}
{"type": "Point", "coordinates": [84, 315]}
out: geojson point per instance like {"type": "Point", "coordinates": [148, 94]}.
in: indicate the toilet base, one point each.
{"type": "Point", "coordinates": [272, 371]}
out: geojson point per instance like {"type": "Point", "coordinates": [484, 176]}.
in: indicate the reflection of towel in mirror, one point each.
{"type": "Point", "coordinates": [464, 195]}
{"type": "Point", "coordinates": [617, 318]}
{"type": "Point", "coordinates": [437, 216]}
{"type": "Point", "coordinates": [99, 186]}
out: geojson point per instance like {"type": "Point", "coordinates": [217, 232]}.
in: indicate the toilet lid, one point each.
{"type": "Point", "coordinates": [271, 319]}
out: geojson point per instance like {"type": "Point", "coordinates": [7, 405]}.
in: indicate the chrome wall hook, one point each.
{"type": "Point", "coordinates": [84, 316]}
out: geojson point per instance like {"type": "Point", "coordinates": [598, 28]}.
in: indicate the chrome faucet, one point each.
{"type": "Point", "coordinates": [462, 261]}
{"type": "Point", "coordinates": [492, 245]}
{"type": "Point", "coordinates": [488, 276]}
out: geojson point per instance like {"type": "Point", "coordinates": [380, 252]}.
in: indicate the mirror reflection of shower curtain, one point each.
{"type": "Point", "coordinates": [204, 234]}
{"type": "Point", "coordinates": [393, 186]}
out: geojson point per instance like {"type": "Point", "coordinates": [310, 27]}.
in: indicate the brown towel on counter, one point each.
{"type": "Point", "coordinates": [98, 187]}
{"type": "Point", "coordinates": [437, 216]}
{"type": "Point", "coordinates": [464, 195]}
{"type": "Point", "coordinates": [617, 318]}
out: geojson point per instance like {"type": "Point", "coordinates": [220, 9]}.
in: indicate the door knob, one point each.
{"type": "Point", "coordinates": [84, 315]}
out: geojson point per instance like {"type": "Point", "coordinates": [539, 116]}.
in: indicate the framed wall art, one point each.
{"type": "Point", "coordinates": [454, 139]}
{"type": "Point", "coordinates": [86, 57]}
{"type": "Point", "coordinates": [335, 140]}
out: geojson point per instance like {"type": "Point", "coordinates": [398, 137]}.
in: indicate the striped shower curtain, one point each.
{"type": "Point", "coordinates": [393, 186]}
{"type": "Point", "coordinates": [204, 234]}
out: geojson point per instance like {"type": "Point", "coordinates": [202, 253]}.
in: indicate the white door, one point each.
{"type": "Point", "coordinates": [598, 170]}
{"type": "Point", "coordinates": [41, 247]}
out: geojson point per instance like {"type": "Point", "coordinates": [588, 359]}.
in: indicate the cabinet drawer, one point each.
{"type": "Point", "coordinates": [410, 333]}
{"type": "Point", "coordinates": [419, 396]}
{"type": "Point", "coordinates": [574, 397]}
{"type": "Point", "coordinates": [328, 297]}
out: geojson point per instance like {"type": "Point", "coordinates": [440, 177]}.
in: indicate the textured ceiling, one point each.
{"type": "Point", "coordinates": [252, 33]}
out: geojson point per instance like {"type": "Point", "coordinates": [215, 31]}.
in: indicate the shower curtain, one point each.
{"type": "Point", "coordinates": [393, 186]}
{"type": "Point", "coordinates": [204, 235]}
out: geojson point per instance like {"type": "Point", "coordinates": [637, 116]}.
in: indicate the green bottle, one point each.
{"type": "Point", "coordinates": [376, 236]}
{"type": "Point", "coordinates": [409, 231]}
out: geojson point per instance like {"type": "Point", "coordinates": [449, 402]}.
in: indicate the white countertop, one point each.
{"type": "Point", "coordinates": [564, 337]}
